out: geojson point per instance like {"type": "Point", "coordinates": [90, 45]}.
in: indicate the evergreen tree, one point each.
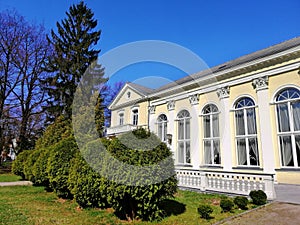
{"type": "Point", "coordinates": [74, 45]}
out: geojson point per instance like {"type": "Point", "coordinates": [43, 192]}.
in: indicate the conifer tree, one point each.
{"type": "Point", "coordinates": [74, 51]}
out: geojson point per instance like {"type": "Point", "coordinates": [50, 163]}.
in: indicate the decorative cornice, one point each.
{"type": "Point", "coordinates": [260, 83]}
{"type": "Point", "coordinates": [223, 92]}
{"type": "Point", "coordinates": [194, 99]}
{"type": "Point", "coordinates": [171, 105]}
{"type": "Point", "coordinates": [152, 109]}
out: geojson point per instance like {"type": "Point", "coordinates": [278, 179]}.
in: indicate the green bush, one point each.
{"type": "Point", "coordinates": [28, 165]}
{"type": "Point", "coordinates": [130, 191]}
{"type": "Point", "coordinates": [87, 186]}
{"type": "Point", "coordinates": [18, 164]}
{"type": "Point", "coordinates": [226, 205]}
{"type": "Point", "coordinates": [241, 202]}
{"type": "Point", "coordinates": [258, 197]}
{"type": "Point", "coordinates": [39, 170]}
{"type": "Point", "coordinates": [205, 210]}
{"type": "Point", "coordinates": [59, 130]}
{"type": "Point", "coordinates": [59, 164]}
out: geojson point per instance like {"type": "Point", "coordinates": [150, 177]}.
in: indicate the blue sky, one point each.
{"type": "Point", "coordinates": [217, 31]}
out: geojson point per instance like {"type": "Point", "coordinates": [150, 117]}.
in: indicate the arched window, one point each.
{"type": "Point", "coordinates": [288, 120]}
{"type": "Point", "coordinates": [246, 132]}
{"type": "Point", "coordinates": [184, 154]}
{"type": "Point", "coordinates": [135, 117]}
{"type": "Point", "coordinates": [162, 127]}
{"type": "Point", "coordinates": [211, 136]}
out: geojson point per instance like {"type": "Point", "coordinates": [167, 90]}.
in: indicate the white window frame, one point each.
{"type": "Point", "coordinates": [121, 118]}
{"type": "Point", "coordinates": [291, 133]}
{"type": "Point", "coordinates": [211, 137]}
{"type": "Point", "coordinates": [185, 140]}
{"type": "Point", "coordinates": [163, 124]}
{"type": "Point", "coordinates": [135, 116]}
{"type": "Point", "coordinates": [246, 136]}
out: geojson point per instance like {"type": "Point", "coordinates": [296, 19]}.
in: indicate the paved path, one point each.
{"type": "Point", "coordinates": [287, 193]}
{"type": "Point", "coordinates": [15, 183]}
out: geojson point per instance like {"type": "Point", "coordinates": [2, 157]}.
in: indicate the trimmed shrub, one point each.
{"type": "Point", "coordinates": [226, 205]}
{"type": "Point", "coordinates": [241, 202]}
{"type": "Point", "coordinates": [28, 165]}
{"type": "Point", "coordinates": [40, 168]}
{"type": "Point", "coordinates": [59, 164]}
{"type": "Point", "coordinates": [18, 163]}
{"type": "Point", "coordinates": [130, 190]}
{"type": "Point", "coordinates": [258, 197]}
{"type": "Point", "coordinates": [87, 186]}
{"type": "Point", "coordinates": [204, 211]}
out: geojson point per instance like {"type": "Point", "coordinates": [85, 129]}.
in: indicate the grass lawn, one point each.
{"type": "Point", "coordinates": [33, 205]}
{"type": "Point", "coordinates": [9, 177]}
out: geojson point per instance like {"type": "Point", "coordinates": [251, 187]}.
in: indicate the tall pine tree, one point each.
{"type": "Point", "coordinates": [74, 45]}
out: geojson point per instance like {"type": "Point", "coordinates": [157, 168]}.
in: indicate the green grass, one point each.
{"type": "Point", "coordinates": [28, 205]}
{"type": "Point", "coordinates": [9, 177]}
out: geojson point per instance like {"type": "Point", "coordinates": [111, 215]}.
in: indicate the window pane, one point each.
{"type": "Point", "coordinates": [215, 125]}
{"type": "Point", "coordinates": [283, 117]}
{"type": "Point", "coordinates": [297, 140]}
{"type": "Point", "coordinates": [217, 158]}
{"type": "Point", "coordinates": [251, 121]}
{"type": "Point", "coordinates": [165, 131]}
{"type": "Point", "coordinates": [159, 131]}
{"type": "Point", "coordinates": [207, 152]}
{"type": "Point", "coordinates": [180, 152]}
{"type": "Point", "coordinates": [240, 125]}
{"type": "Point", "coordinates": [296, 115]}
{"type": "Point", "coordinates": [242, 154]}
{"type": "Point", "coordinates": [187, 131]}
{"type": "Point", "coordinates": [188, 152]}
{"type": "Point", "coordinates": [286, 151]}
{"type": "Point", "coordinates": [253, 152]}
{"type": "Point", "coordinates": [180, 130]}
{"type": "Point", "coordinates": [206, 122]}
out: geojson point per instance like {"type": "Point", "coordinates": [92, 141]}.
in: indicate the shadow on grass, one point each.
{"type": "Point", "coordinates": [172, 207]}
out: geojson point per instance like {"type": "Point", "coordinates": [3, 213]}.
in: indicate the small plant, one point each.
{"type": "Point", "coordinates": [226, 205]}
{"type": "Point", "coordinates": [205, 210]}
{"type": "Point", "coordinates": [258, 197]}
{"type": "Point", "coordinates": [241, 202]}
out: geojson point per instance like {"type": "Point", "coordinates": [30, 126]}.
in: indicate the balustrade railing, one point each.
{"type": "Point", "coordinates": [226, 182]}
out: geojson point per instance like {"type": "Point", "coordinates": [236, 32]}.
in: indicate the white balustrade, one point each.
{"type": "Point", "coordinates": [226, 182]}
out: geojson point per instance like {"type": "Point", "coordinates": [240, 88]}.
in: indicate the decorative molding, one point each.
{"type": "Point", "coordinates": [194, 99]}
{"type": "Point", "coordinates": [171, 105]}
{"type": "Point", "coordinates": [152, 109]}
{"type": "Point", "coordinates": [260, 83]}
{"type": "Point", "coordinates": [223, 92]}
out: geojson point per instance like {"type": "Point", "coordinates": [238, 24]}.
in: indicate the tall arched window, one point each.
{"type": "Point", "coordinates": [184, 147]}
{"type": "Point", "coordinates": [246, 132]}
{"type": "Point", "coordinates": [162, 121]}
{"type": "Point", "coordinates": [211, 136]}
{"type": "Point", "coordinates": [288, 120]}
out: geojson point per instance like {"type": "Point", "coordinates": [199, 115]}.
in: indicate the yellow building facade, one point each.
{"type": "Point", "coordinates": [232, 128]}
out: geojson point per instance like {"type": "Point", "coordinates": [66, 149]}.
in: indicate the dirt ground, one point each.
{"type": "Point", "coordinates": [277, 213]}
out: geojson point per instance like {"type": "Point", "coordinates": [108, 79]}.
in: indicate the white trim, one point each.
{"type": "Point", "coordinates": [240, 97]}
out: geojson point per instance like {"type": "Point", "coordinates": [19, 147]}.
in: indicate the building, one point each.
{"type": "Point", "coordinates": [232, 128]}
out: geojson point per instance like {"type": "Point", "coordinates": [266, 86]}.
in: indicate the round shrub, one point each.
{"type": "Point", "coordinates": [130, 193]}
{"type": "Point", "coordinates": [258, 197]}
{"type": "Point", "coordinates": [87, 186]}
{"type": "Point", "coordinates": [18, 163]}
{"type": "Point", "coordinates": [226, 205]}
{"type": "Point", "coordinates": [40, 168]}
{"type": "Point", "coordinates": [59, 164]}
{"type": "Point", "coordinates": [28, 165]}
{"type": "Point", "coordinates": [204, 211]}
{"type": "Point", "coordinates": [241, 202]}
